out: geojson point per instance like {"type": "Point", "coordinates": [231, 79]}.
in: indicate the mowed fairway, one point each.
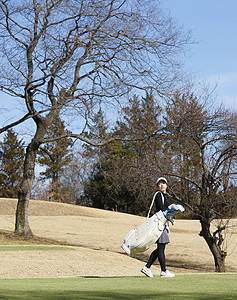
{"type": "Point", "coordinates": [196, 286]}
{"type": "Point", "coordinates": [93, 238]}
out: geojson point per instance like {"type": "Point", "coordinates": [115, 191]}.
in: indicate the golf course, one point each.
{"type": "Point", "coordinates": [78, 255]}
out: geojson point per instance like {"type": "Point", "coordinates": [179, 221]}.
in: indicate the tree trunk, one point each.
{"type": "Point", "coordinates": [218, 254]}
{"type": "Point", "coordinates": [22, 226]}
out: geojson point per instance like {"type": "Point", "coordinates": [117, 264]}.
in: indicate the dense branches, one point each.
{"type": "Point", "coordinates": [55, 156]}
{"type": "Point", "coordinates": [195, 148]}
{"type": "Point", "coordinates": [11, 164]}
{"type": "Point", "coordinates": [68, 57]}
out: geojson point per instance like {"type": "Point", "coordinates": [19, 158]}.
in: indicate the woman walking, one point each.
{"type": "Point", "coordinates": [161, 203]}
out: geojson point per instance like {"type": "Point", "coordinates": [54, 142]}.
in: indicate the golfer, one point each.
{"type": "Point", "coordinates": [161, 203]}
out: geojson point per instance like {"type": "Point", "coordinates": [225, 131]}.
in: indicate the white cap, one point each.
{"type": "Point", "coordinates": [161, 179]}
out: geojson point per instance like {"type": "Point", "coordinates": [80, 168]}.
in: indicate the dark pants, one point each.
{"type": "Point", "coordinates": [160, 254]}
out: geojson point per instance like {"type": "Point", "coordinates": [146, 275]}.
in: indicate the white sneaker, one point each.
{"type": "Point", "coordinates": [147, 272]}
{"type": "Point", "coordinates": [166, 274]}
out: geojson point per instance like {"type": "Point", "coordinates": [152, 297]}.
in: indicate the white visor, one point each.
{"type": "Point", "coordinates": [161, 179]}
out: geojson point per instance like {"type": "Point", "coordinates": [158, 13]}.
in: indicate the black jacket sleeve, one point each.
{"type": "Point", "coordinates": [159, 203]}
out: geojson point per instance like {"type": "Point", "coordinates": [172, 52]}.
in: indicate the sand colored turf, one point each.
{"type": "Point", "coordinates": [96, 236]}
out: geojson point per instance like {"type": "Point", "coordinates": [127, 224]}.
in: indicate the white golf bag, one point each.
{"type": "Point", "coordinates": [143, 237]}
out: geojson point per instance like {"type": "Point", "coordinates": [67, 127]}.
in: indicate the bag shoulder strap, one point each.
{"type": "Point", "coordinates": [152, 202]}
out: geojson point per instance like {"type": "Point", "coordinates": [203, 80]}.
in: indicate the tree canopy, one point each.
{"type": "Point", "coordinates": [67, 57]}
{"type": "Point", "coordinates": [11, 164]}
{"type": "Point", "coordinates": [55, 156]}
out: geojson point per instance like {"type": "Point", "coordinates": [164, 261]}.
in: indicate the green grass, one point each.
{"type": "Point", "coordinates": [33, 248]}
{"type": "Point", "coordinates": [198, 286]}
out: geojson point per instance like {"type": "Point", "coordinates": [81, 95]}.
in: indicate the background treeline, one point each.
{"type": "Point", "coordinates": [160, 138]}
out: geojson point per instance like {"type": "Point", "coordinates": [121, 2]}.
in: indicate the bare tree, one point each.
{"type": "Point", "coordinates": [66, 56]}
{"type": "Point", "coordinates": [213, 136]}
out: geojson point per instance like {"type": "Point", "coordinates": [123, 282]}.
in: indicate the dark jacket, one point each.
{"type": "Point", "coordinates": [159, 203]}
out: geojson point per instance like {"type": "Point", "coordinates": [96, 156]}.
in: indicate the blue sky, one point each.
{"type": "Point", "coordinates": [214, 57]}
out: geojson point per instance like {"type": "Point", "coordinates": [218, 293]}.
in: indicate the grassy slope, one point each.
{"type": "Point", "coordinates": [103, 231]}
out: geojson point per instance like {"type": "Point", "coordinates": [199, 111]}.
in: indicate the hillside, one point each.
{"type": "Point", "coordinates": [97, 236]}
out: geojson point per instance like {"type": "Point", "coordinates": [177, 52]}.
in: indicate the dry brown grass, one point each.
{"type": "Point", "coordinates": [97, 236]}
{"type": "Point", "coordinates": [10, 238]}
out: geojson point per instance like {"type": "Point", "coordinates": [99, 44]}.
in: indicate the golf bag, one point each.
{"type": "Point", "coordinates": [143, 237]}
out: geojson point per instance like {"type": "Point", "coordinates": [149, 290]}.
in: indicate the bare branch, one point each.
{"type": "Point", "coordinates": [5, 128]}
